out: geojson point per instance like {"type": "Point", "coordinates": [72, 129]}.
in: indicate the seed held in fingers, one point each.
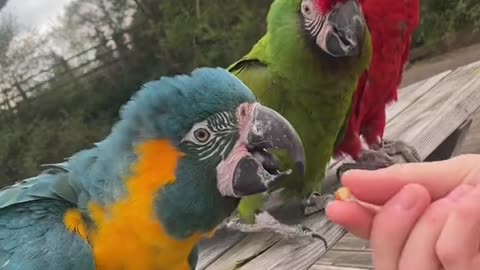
{"type": "Point", "coordinates": [343, 194]}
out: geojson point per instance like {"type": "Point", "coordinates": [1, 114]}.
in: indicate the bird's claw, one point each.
{"type": "Point", "coordinates": [316, 202]}
{"type": "Point", "coordinates": [264, 222]}
{"type": "Point", "coordinates": [400, 148]}
{"type": "Point", "coordinates": [388, 153]}
{"type": "Point", "coordinates": [309, 232]}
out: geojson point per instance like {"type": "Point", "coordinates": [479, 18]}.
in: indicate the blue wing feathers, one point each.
{"type": "Point", "coordinates": [33, 236]}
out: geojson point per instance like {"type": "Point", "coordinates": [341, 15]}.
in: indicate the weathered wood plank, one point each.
{"type": "Point", "coordinates": [436, 115]}
{"type": "Point", "coordinates": [408, 95]}
{"type": "Point", "coordinates": [471, 144]}
{"type": "Point", "coordinates": [347, 258]}
{"type": "Point", "coordinates": [451, 146]}
{"type": "Point", "coordinates": [351, 243]}
{"type": "Point", "coordinates": [298, 253]}
{"type": "Point", "coordinates": [212, 249]}
{"type": "Point", "coordinates": [250, 246]}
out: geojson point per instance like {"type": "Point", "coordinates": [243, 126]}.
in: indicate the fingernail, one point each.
{"type": "Point", "coordinates": [459, 192]}
{"type": "Point", "coordinates": [406, 198]}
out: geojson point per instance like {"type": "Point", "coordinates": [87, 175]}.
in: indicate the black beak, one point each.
{"type": "Point", "coordinates": [346, 30]}
{"type": "Point", "coordinates": [268, 133]}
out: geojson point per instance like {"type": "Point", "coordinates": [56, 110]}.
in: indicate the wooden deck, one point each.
{"type": "Point", "coordinates": [426, 114]}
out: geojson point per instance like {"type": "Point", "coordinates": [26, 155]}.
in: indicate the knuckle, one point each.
{"type": "Point", "coordinates": [437, 213]}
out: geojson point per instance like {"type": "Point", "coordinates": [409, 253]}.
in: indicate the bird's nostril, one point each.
{"type": "Point", "coordinates": [344, 40]}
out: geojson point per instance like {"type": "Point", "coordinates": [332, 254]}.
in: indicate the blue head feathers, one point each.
{"type": "Point", "coordinates": [169, 107]}
{"type": "Point", "coordinates": [162, 109]}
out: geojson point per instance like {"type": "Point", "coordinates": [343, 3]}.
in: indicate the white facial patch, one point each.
{"type": "Point", "coordinates": [322, 36]}
{"type": "Point", "coordinates": [226, 168]}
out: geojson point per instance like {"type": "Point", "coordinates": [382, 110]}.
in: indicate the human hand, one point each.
{"type": "Point", "coordinates": [406, 230]}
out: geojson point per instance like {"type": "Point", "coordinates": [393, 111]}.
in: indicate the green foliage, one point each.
{"type": "Point", "coordinates": [58, 123]}
{"type": "Point", "coordinates": [442, 17]}
{"type": "Point", "coordinates": [185, 34]}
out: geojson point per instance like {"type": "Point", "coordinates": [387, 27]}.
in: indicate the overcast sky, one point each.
{"type": "Point", "coordinates": [40, 14]}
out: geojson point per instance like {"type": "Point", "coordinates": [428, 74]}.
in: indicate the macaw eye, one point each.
{"type": "Point", "coordinates": [306, 8]}
{"type": "Point", "coordinates": [202, 135]}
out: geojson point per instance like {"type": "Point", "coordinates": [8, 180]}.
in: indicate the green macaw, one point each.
{"type": "Point", "coordinates": [172, 169]}
{"type": "Point", "coordinates": [306, 67]}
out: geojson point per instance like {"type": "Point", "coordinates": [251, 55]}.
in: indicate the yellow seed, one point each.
{"type": "Point", "coordinates": [343, 194]}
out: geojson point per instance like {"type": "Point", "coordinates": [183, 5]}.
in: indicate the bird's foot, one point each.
{"type": "Point", "coordinates": [316, 202]}
{"type": "Point", "coordinates": [388, 153]}
{"type": "Point", "coordinates": [400, 149]}
{"type": "Point", "coordinates": [264, 222]}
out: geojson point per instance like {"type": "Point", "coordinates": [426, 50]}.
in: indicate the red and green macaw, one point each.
{"type": "Point", "coordinates": [307, 67]}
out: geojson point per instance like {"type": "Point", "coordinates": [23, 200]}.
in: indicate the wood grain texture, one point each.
{"type": "Point", "coordinates": [436, 115]}
{"type": "Point", "coordinates": [408, 95]}
{"type": "Point", "coordinates": [246, 249]}
{"type": "Point", "coordinates": [297, 253]}
{"type": "Point", "coordinates": [212, 249]}
{"type": "Point", "coordinates": [471, 143]}
{"type": "Point", "coordinates": [347, 259]}
{"type": "Point", "coordinates": [353, 243]}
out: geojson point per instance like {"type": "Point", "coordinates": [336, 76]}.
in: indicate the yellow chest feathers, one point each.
{"type": "Point", "coordinates": [127, 235]}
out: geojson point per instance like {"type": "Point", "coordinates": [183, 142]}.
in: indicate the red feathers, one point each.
{"type": "Point", "coordinates": [326, 5]}
{"type": "Point", "coordinates": [391, 24]}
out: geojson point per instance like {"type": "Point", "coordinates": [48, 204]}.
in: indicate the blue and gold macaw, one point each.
{"type": "Point", "coordinates": [172, 169]}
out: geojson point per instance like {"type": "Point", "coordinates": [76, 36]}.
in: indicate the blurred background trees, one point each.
{"type": "Point", "coordinates": [440, 18]}
{"type": "Point", "coordinates": [61, 89]}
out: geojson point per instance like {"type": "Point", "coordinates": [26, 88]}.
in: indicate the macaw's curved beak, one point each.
{"type": "Point", "coordinates": [343, 33]}
{"type": "Point", "coordinates": [269, 134]}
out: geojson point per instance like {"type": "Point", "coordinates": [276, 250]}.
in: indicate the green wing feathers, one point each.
{"type": "Point", "coordinates": [252, 69]}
